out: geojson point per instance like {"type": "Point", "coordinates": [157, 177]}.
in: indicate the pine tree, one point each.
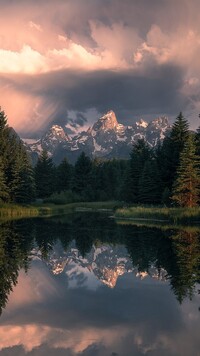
{"type": "Point", "coordinates": [198, 142]}
{"type": "Point", "coordinates": [139, 155]}
{"type": "Point", "coordinates": [97, 180]}
{"type": "Point", "coordinates": [179, 131]}
{"type": "Point", "coordinates": [3, 188]}
{"type": "Point", "coordinates": [3, 120]}
{"type": "Point", "coordinates": [3, 136]}
{"type": "Point", "coordinates": [82, 176]}
{"type": "Point", "coordinates": [186, 186]}
{"type": "Point", "coordinates": [150, 184]}
{"type": "Point", "coordinates": [168, 155]}
{"type": "Point", "coordinates": [25, 190]}
{"type": "Point", "coordinates": [18, 171]}
{"type": "Point", "coordinates": [63, 176]}
{"type": "Point", "coordinates": [17, 181]}
{"type": "Point", "coordinates": [44, 176]}
{"type": "Point", "coordinates": [110, 175]}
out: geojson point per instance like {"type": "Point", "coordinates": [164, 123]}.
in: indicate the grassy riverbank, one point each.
{"type": "Point", "coordinates": [15, 211]}
{"type": "Point", "coordinates": [160, 214]}
{"type": "Point", "coordinates": [172, 215]}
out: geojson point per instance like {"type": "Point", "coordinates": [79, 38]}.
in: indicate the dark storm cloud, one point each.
{"type": "Point", "coordinates": [128, 93]}
{"type": "Point", "coordinates": [42, 350]}
{"type": "Point", "coordinates": [74, 17]}
{"type": "Point", "coordinates": [76, 122]}
{"type": "Point", "coordinates": [148, 94]}
{"type": "Point", "coordinates": [133, 14]}
{"type": "Point", "coordinates": [80, 119]}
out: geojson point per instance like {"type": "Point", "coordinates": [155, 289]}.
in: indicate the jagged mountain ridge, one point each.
{"type": "Point", "coordinates": [106, 138]}
{"type": "Point", "coordinates": [105, 263]}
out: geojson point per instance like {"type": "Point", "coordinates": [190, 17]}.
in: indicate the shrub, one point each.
{"type": "Point", "coordinates": [63, 197]}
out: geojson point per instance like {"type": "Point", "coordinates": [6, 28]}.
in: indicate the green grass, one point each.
{"type": "Point", "coordinates": [16, 211]}
{"type": "Point", "coordinates": [161, 214]}
{"type": "Point", "coordinates": [79, 206]}
{"type": "Point", "coordinates": [172, 215]}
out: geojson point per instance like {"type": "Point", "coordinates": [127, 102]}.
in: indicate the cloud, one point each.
{"type": "Point", "coordinates": [181, 48]}
{"type": "Point", "coordinates": [35, 26]}
{"type": "Point", "coordinates": [129, 93]}
{"type": "Point", "coordinates": [128, 56]}
{"type": "Point", "coordinates": [25, 61]}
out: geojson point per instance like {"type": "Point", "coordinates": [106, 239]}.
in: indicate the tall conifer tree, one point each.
{"type": "Point", "coordinates": [168, 155]}
{"type": "Point", "coordinates": [198, 141]}
{"type": "Point", "coordinates": [3, 135]}
{"type": "Point", "coordinates": [187, 184]}
{"type": "Point", "coordinates": [44, 176]}
{"type": "Point", "coordinates": [3, 188]}
{"type": "Point", "coordinates": [16, 173]}
{"type": "Point", "coordinates": [63, 176]}
{"type": "Point", "coordinates": [150, 184]}
{"type": "Point", "coordinates": [25, 190]}
{"type": "Point", "coordinates": [139, 155]}
{"type": "Point", "coordinates": [83, 175]}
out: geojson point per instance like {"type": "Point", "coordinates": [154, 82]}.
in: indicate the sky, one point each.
{"type": "Point", "coordinates": [70, 61]}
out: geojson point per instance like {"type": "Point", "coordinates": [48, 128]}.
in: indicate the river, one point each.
{"type": "Point", "coordinates": [84, 285]}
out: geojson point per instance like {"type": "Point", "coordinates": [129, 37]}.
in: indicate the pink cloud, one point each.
{"type": "Point", "coordinates": [37, 39]}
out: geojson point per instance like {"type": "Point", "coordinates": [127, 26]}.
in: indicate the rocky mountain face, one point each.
{"type": "Point", "coordinates": [106, 138]}
{"type": "Point", "coordinates": [105, 264]}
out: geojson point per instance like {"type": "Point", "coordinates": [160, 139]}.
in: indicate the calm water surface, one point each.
{"type": "Point", "coordinates": [83, 285]}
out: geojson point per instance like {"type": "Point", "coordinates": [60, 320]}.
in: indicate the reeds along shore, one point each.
{"type": "Point", "coordinates": [13, 210]}
{"type": "Point", "coordinates": [174, 215]}
{"type": "Point", "coordinates": [165, 214]}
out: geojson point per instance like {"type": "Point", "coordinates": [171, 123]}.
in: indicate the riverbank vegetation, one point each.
{"type": "Point", "coordinates": [45, 209]}
{"type": "Point", "coordinates": [160, 214]}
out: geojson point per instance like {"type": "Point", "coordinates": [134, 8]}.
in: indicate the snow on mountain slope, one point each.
{"type": "Point", "coordinates": [50, 141]}
{"type": "Point", "coordinates": [106, 138]}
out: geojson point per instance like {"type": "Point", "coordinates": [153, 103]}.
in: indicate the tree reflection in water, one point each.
{"type": "Point", "coordinates": [177, 251]}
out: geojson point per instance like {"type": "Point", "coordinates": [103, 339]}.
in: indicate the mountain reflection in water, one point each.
{"type": "Point", "coordinates": [84, 285]}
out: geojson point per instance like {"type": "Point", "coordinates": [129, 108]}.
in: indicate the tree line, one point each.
{"type": "Point", "coordinates": [17, 182]}
{"type": "Point", "coordinates": [167, 174]}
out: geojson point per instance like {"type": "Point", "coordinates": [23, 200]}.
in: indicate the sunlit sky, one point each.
{"type": "Point", "coordinates": [76, 59]}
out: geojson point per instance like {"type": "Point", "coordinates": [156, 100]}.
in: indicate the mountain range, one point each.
{"type": "Point", "coordinates": [105, 139]}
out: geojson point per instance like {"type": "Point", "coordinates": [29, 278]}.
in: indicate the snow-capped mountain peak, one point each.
{"type": "Point", "coordinates": [106, 138]}
{"type": "Point", "coordinates": [160, 122]}
{"type": "Point", "coordinates": [106, 122]}
{"type": "Point", "coordinates": [58, 132]}
{"type": "Point", "coordinates": [142, 123]}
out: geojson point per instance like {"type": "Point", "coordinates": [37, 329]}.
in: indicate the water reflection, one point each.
{"type": "Point", "coordinates": [89, 286]}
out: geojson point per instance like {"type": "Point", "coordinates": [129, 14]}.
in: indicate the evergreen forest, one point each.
{"type": "Point", "coordinates": [168, 174]}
